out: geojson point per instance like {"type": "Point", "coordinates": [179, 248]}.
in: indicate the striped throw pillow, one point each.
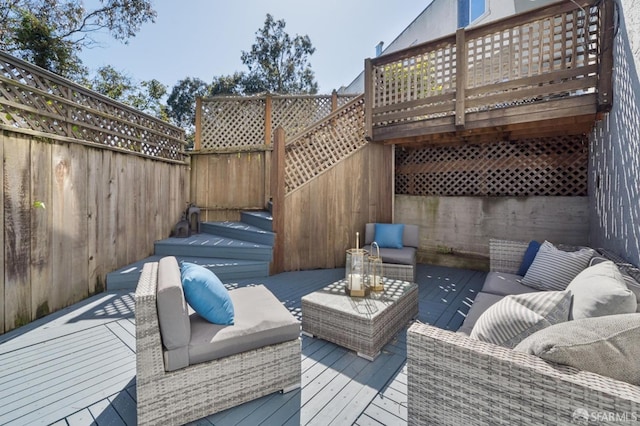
{"type": "Point", "coordinates": [512, 319]}
{"type": "Point", "coordinates": [553, 269]}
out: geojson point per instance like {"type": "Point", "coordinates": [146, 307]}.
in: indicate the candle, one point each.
{"type": "Point", "coordinates": [356, 282]}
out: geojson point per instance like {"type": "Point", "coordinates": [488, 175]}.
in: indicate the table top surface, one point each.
{"type": "Point", "coordinates": [334, 297]}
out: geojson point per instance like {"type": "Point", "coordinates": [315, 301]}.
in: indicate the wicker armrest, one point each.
{"type": "Point", "coordinates": [506, 256]}
{"type": "Point", "coordinates": [453, 379]}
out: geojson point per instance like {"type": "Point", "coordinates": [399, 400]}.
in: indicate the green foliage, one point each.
{"type": "Point", "coordinates": [182, 99]}
{"type": "Point", "coordinates": [146, 96]}
{"type": "Point", "coordinates": [279, 63]}
{"type": "Point", "coordinates": [51, 33]}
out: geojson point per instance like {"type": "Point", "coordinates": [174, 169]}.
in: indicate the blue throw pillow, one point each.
{"type": "Point", "coordinates": [206, 294]}
{"type": "Point", "coordinates": [389, 235]}
{"type": "Point", "coordinates": [529, 255]}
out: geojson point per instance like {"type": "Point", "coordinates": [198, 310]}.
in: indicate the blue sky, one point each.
{"type": "Point", "coordinates": [204, 38]}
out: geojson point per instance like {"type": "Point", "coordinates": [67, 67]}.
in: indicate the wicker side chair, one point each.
{"type": "Point", "coordinates": [455, 380]}
{"type": "Point", "coordinates": [193, 392]}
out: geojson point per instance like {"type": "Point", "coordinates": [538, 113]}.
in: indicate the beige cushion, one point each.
{"type": "Point", "coordinates": [504, 284]}
{"type": "Point", "coordinates": [515, 317]}
{"type": "Point", "coordinates": [553, 269]}
{"type": "Point", "coordinates": [600, 290]}
{"type": "Point", "coordinates": [605, 345]}
{"type": "Point", "coordinates": [260, 320]}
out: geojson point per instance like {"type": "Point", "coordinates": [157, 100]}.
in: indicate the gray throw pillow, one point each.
{"type": "Point", "coordinates": [600, 290]}
{"type": "Point", "coordinates": [513, 318]}
{"type": "Point", "coordinates": [604, 345]}
{"type": "Point", "coordinates": [553, 269]}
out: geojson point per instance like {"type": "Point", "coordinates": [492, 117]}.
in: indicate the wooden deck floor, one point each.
{"type": "Point", "coordinates": [77, 366]}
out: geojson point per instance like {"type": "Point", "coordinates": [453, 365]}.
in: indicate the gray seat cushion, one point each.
{"type": "Point", "coordinates": [260, 320]}
{"type": "Point", "coordinates": [173, 314]}
{"type": "Point", "coordinates": [480, 304]}
{"type": "Point", "coordinates": [503, 284]}
{"type": "Point", "coordinates": [403, 256]}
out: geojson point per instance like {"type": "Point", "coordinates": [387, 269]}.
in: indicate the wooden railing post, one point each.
{"type": "Point", "coordinates": [267, 119]}
{"type": "Point", "coordinates": [605, 68]}
{"type": "Point", "coordinates": [334, 100]}
{"type": "Point", "coordinates": [277, 199]}
{"type": "Point", "coordinates": [198, 137]}
{"type": "Point", "coordinates": [461, 76]}
{"type": "Point", "coordinates": [368, 99]}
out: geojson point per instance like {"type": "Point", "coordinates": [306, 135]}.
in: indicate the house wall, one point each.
{"type": "Point", "coordinates": [437, 20]}
{"type": "Point", "coordinates": [614, 178]}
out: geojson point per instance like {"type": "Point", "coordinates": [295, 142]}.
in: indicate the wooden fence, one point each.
{"type": "Point", "coordinates": [75, 209]}
{"type": "Point", "coordinates": [327, 183]}
{"type": "Point", "coordinates": [231, 163]}
{"type": "Point", "coordinates": [560, 55]}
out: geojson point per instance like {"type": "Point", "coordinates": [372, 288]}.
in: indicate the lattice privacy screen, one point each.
{"type": "Point", "coordinates": [229, 122]}
{"type": "Point", "coordinates": [533, 59]}
{"type": "Point", "coordinates": [36, 100]}
{"type": "Point", "coordinates": [528, 167]}
{"type": "Point", "coordinates": [324, 144]}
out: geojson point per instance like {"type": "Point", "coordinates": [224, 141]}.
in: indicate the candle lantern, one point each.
{"type": "Point", "coordinates": [374, 269]}
{"type": "Point", "coordinates": [356, 270]}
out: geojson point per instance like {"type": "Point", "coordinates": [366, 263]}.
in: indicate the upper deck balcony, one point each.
{"type": "Point", "coordinates": [541, 73]}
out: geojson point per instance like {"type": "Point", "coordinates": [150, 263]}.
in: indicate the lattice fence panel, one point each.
{"type": "Point", "coordinates": [537, 57]}
{"type": "Point", "coordinates": [546, 166]}
{"type": "Point", "coordinates": [35, 100]}
{"type": "Point", "coordinates": [424, 77]}
{"type": "Point", "coordinates": [230, 122]}
{"type": "Point", "coordinates": [324, 145]}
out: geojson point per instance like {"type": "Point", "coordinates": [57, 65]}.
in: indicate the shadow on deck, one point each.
{"type": "Point", "coordinates": [77, 366]}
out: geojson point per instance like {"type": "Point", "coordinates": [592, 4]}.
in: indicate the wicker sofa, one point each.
{"type": "Point", "coordinates": [456, 380]}
{"type": "Point", "coordinates": [176, 382]}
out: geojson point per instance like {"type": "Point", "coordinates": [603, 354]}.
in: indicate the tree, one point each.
{"type": "Point", "coordinates": [51, 33]}
{"type": "Point", "coordinates": [182, 100]}
{"type": "Point", "coordinates": [145, 96]}
{"type": "Point", "coordinates": [280, 63]}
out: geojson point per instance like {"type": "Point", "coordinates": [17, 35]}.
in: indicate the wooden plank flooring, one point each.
{"type": "Point", "coordinates": [77, 366]}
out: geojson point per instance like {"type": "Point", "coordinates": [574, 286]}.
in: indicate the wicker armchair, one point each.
{"type": "Point", "coordinates": [193, 392]}
{"type": "Point", "coordinates": [455, 380]}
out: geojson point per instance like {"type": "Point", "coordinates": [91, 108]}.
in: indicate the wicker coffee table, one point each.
{"type": "Point", "coordinates": [362, 324]}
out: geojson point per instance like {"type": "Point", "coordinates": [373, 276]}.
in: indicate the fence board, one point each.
{"type": "Point", "coordinates": [17, 229]}
{"type": "Point", "coordinates": [41, 222]}
{"type": "Point", "coordinates": [2, 260]}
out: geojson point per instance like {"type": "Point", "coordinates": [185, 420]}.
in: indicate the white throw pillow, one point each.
{"type": "Point", "coordinates": [553, 269]}
{"type": "Point", "coordinates": [600, 290]}
{"type": "Point", "coordinates": [604, 345]}
{"type": "Point", "coordinates": [513, 318]}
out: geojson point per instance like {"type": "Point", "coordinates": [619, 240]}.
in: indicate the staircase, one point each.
{"type": "Point", "coordinates": [232, 250]}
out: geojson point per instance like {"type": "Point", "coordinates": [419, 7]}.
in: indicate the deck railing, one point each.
{"type": "Point", "coordinates": [39, 103]}
{"type": "Point", "coordinates": [560, 51]}
{"type": "Point", "coordinates": [232, 122]}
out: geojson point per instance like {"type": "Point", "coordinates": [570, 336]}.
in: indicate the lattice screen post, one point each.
{"type": "Point", "coordinates": [198, 136]}
{"type": "Point", "coordinates": [277, 198]}
{"type": "Point", "coordinates": [267, 118]}
{"type": "Point", "coordinates": [607, 33]}
{"type": "Point", "coordinates": [368, 99]}
{"type": "Point", "coordinates": [461, 76]}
